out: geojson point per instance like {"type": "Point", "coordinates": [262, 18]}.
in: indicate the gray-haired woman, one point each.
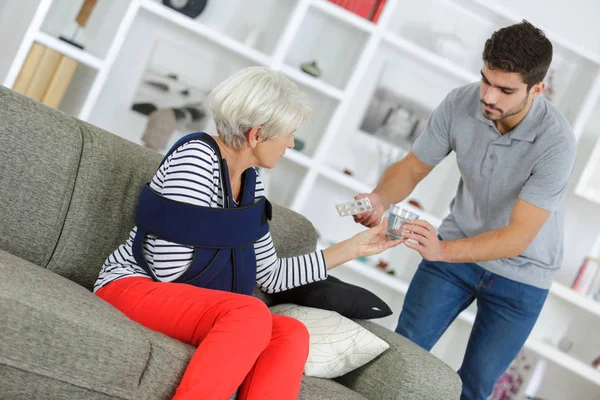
{"type": "Point", "coordinates": [202, 221]}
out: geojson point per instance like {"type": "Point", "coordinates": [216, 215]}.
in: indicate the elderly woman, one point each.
{"type": "Point", "coordinates": [201, 243]}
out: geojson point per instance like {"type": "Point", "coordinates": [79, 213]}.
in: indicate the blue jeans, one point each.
{"type": "Point", "coordinates": [507, 312]}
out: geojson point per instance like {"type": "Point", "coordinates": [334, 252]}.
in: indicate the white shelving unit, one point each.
{"type": "Point", "coordinates": [351, 52]}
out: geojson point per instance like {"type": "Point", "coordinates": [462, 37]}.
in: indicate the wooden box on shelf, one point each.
{"type": "Point", "coordinates": [45, 75]}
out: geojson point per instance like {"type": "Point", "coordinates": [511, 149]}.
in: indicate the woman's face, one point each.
{"type": "Point", "coordinates": [269, 152]}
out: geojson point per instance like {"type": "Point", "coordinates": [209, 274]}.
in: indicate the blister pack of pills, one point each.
{"type": "Point", "coordinates": [354, 207]}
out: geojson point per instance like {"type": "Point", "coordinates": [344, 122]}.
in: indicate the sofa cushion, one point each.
{"type": "Point", "coordinates": [337, 344]}
{"type": "Point", "coordinates": [56, 330]}
{"type": "Point", "coordinates": [325, 389]}
{"type": "Point", "coordinates": [111, 176]}
{"type": "Point", "coordinates": [39, 157]}
{"type": "Point", "coordinates": [20, 384]}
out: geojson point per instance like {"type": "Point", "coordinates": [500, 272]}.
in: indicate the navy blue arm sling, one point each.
{"type": "Point", "coordinates": [222, 238]}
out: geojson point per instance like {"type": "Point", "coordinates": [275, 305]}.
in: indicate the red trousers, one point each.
{"type": "Point", "coordinates": [240, 344]}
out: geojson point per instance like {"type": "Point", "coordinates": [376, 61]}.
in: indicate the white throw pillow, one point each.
{"type": "Point", "coordinates": [338, 345]}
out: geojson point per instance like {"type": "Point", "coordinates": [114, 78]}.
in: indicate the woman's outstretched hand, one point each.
{"type": "Point", "coordinates": [374, 240]}
{"type": "Point", "coordinates": [366, 243]}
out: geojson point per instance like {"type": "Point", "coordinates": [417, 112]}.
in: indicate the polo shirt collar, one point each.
{"type": "Point", "coordinates": [527, 128]}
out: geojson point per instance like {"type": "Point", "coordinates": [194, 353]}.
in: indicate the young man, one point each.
{"type": "Point", "coordinates": [502, 242]}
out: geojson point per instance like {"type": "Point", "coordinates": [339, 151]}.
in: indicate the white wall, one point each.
{"type": "Point", "coordinates": [15, 17]}
{"type": "Point", "coordinates": [578, 21]}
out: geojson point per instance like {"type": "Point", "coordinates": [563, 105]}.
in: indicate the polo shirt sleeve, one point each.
{"type": "Point", "coordinates": [550, 178]}
{"type": "Point", "coordinates": [434, 144]}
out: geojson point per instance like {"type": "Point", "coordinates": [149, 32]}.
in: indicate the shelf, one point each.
{"type": "Point", "coordinates": [344, 180]}
{"type": "Point", "coordinates": [334, 43]}
{"type": "Point", "coordinates": [298, 158]}
{"type": "Point", "coordinates": [342, 14]}
{"type": "Point", "coordinates": [323, 107]}
{"type": "Point", "coordinates": [100, 30]}
{"type": "Point", "coordinates": [382, 142]}
{"type": "Point", "coordinates": [311, 82]}
{"type": "Point", "coordinates": [378, 276]}
{"type": "Point", "coordinates": [585, 303]}
{"type": "Point", "coordinates": [70, 51]}
{"type": "Point", "coordinates": [208, 33]}
{"type": "Point", "coordinates": [572, 364]}
{"type": "Point", "coordinates": [431, 58]}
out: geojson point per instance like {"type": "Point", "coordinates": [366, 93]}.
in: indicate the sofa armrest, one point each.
{"type": "Point", "coordinates": [404, 371]}
{"type": "Point", "coordinates": [58, 336]}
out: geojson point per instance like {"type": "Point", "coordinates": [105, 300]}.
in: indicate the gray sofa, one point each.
{"type": "Point", "coordinates": [68, 191]}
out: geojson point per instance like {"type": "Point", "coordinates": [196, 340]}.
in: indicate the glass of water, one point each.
{"type": "Point", "coordinates": [397, 217]}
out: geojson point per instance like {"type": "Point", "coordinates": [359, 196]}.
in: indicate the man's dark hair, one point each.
{"type": "Point", "coordinates": [521, 48]}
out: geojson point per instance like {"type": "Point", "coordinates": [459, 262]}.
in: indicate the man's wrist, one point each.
{"type": "Point", "coordinates": [444, 251]}
{"type": "Point", "coordinates": [384, 200]}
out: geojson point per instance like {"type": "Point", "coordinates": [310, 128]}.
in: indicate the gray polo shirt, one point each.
{"type": "Point", "coordinates": [533, 162]}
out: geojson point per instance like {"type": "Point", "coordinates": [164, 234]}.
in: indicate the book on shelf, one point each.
{"type": "Point", "coordinates": [45, 75]}
{"type": "Point", "coordinates": [368, 9]}
{"type": "Point", "coordinates": [587, 281]}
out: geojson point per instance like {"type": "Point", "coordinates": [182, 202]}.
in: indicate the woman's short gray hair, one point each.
{"type": "Point", "coordinates": [257, 96]}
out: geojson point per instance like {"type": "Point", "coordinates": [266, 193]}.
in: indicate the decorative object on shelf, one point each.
{"type": "Point", "coordinates": [565, 344]}
{"type": "Point", "coordinates": [596, 363]}
{"type": "Point", "coordinates": [45, 75]}
{"type": "Point", "coordinates": [311, 68]}
{"type": "Point", "coordinates": [363, 260]}
{"type": "Point", "coordinates": [535, 379]}
{"type": "Point", "coordinates": [415, 204]}
{"type": "Point", "coordinates": [298, 144]}
{"type": "Point", "coordinates": [391, 272]}
{"type": "Point", "coordinates": [391, 116]}
{"type": "Point", "coordinates": [451, 47]}
{"type": "Point", "coordinates": [346, 171]}
{"type": "Point", "coordinates": [549, 80]}
{"type": "Point", "coordinates": [85, 11]}
{"type": "Point", "coordinates": [171, 95]}
{"type": "Point", "coordinates": [159, 128]}
{"type": "Point", "coordinates": [382, 264]}
{"type": "Point", "coordinates": [511, 381]}
{"type": "Point", "coordinates": [190, 8]}
{"type": "Point", "coordinates": [368, 9]}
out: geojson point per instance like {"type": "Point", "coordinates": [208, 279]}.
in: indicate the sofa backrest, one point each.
{"type": "Point", "coordinates": [39, 158]}
{"type": "Point", "coordinates": [111, 174]}
{"type": "Point", "coordinates": [68, 191]}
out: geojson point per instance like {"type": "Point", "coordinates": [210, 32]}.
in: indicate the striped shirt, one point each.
{"type": "Point", "coordinates": [191, 174]}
